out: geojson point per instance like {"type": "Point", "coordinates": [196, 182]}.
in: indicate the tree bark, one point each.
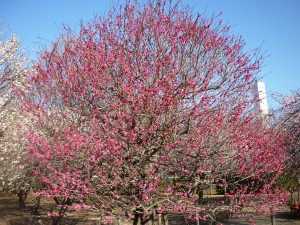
{"type": "Point", "coordinates": [22, 196]}
{"type": "Point", "coordinates": [137, 219]}
{"type": "Point", "coordinates": [37, 205]}
{"type": "Point", "coordinates": [165, 219]}
{"type": "Point", "coordinates": [200, 196]}
{"type": "Point", "coordinates": [159, 219]}
{"type": "Point", "coordinates": [291, 193]}
{"type": "Point", "coordinates": [57, 219]}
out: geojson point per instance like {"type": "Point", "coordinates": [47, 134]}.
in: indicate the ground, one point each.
{"type": "Point", "coordinates": [11, 215]}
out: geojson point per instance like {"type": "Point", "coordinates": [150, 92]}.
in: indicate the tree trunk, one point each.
{"type": "Point", "coordinates": [165, 219]}
{"type": "Point", "coordinates": [22, 196]}
{"type": "Point", "coordinates": [159, 219]}
{"type": "Point", "coordinates": [137, 219]}
{"type": "Point", "coordinates": [200, 196]}
{"type": "Point", "coordinates": [37, 205]}
{"type": "Point", "coordinates": [140, 219]}
{"type": "Point", "coordinates": [57, 219]}
{"type": "Point", "coordinates": [197, 219]}
{"type": "Point", "coordinates": [153, 217]}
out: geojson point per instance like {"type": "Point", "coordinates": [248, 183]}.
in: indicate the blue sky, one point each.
{"type": "Point", "coordinates": [275, 23]}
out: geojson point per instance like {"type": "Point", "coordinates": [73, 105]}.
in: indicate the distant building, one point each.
{"type": "Point", "coordinates": [260, 96]}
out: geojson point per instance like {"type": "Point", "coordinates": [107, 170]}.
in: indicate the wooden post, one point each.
{"type": "Point", "coordinates": [273, 222]}
{"type": "Point", "coordinates": [197, 214]}
{"type": "Point", "coordinates": [197, 218]}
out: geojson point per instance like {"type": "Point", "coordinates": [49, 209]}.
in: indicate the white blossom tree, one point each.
{"type": "Point", "coordinates": [292, 120]}
{"type": "Point", "coordinates": [12, 72]}
{"type": "Point", "coordinates": [288, 116]}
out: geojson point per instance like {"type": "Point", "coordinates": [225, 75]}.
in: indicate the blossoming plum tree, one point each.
{"type": "Point", "coordinates": [12, 73]}
{"type": "Point", "coordinates": [142, 108]}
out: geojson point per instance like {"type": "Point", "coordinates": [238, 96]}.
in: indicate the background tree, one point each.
{"type": "Point", "coordinates": [146, 103]}
{"type": "Point", "coordinates": [12, 73]}
{"type": "Point", "coordinates": [289, 117]}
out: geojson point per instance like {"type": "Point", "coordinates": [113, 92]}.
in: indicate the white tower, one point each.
{"type": "Point", "coordinates": [261, 105]}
